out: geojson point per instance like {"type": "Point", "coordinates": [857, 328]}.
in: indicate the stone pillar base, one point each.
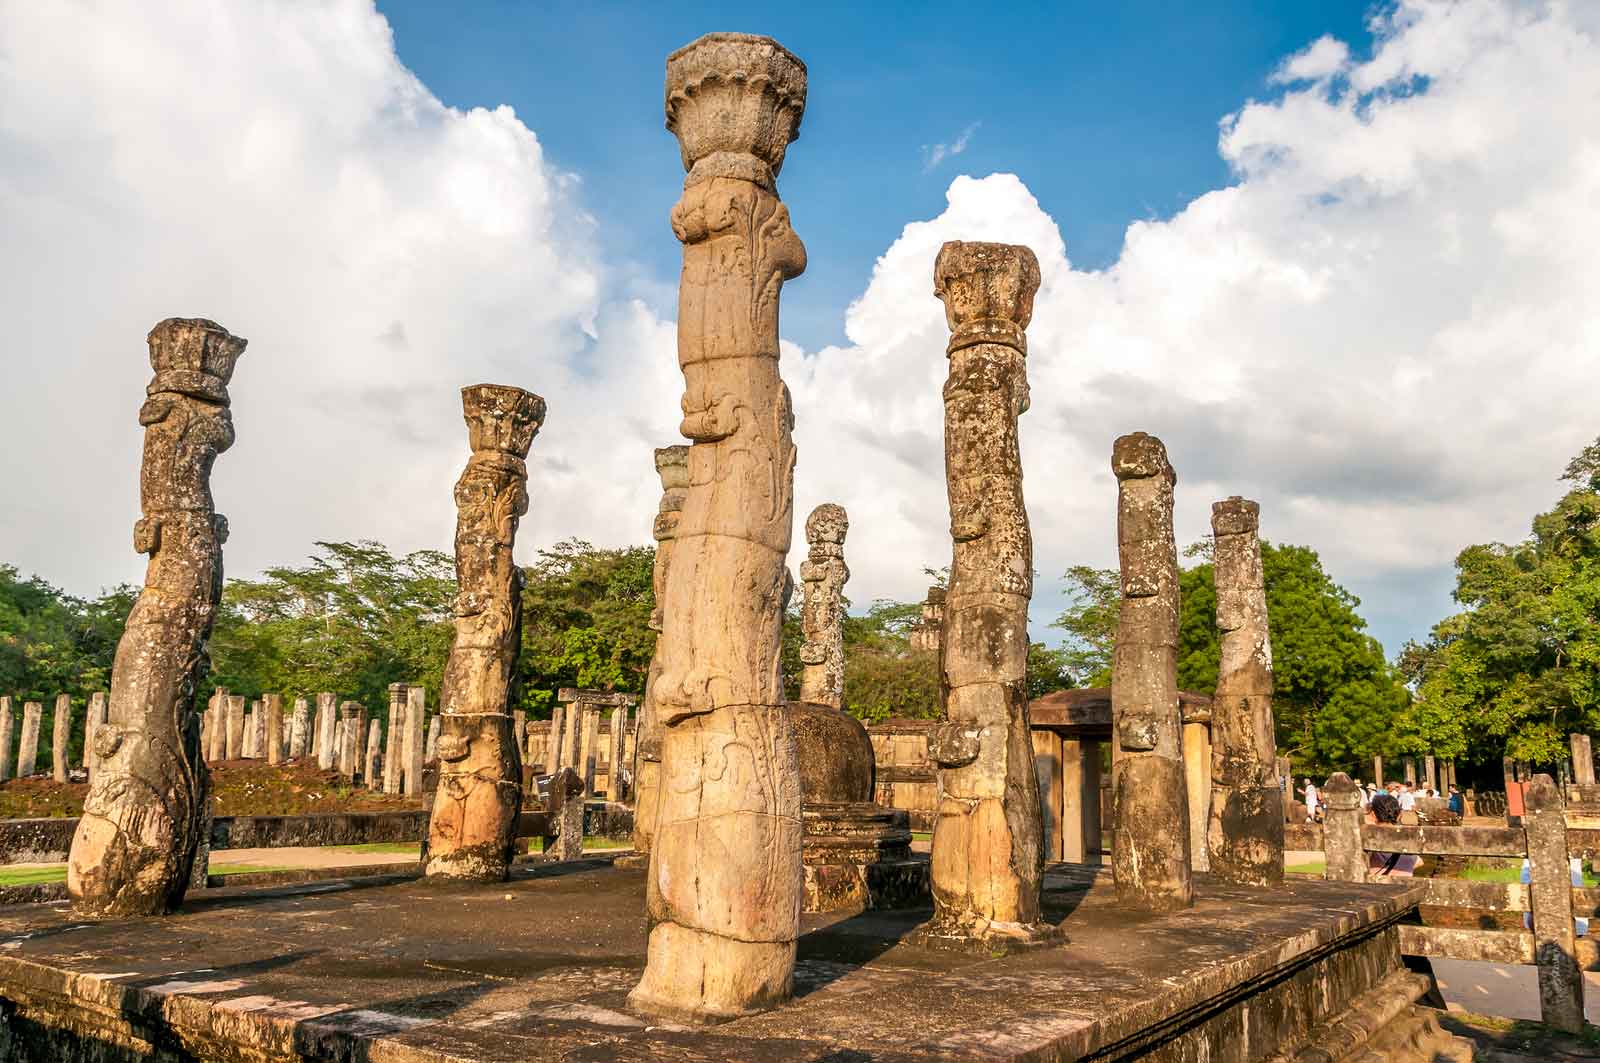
{"type": "Point", "coordinates": [858, 856]}
{"type": "Point", "coordinates": [985, 937]}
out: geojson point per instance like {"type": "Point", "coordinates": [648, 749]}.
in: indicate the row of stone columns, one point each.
{"type": "Point", "coordinates": [25, 736]}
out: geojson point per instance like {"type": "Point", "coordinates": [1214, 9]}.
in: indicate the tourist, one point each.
{"type": "Point", "coordinates": [1385, 809]}
{"type": "Point", "coordinates": [1312, 803]}
{"type": "Point", "coordinates": [1407, 798]}
{"type": "Point", "coordinates": [1458, 803]}
{"type": "Point", "coordinates": [1362, 790]}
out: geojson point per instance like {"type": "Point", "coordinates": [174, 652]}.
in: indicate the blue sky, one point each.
{"type": "Point", "coordinates": [1108, 111]}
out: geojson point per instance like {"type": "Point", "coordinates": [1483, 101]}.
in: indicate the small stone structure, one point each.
{"type": "Point", "coordinates": [823, 575]}
{"type": "Point", "coordinates": [724, 886]}
{"type": "Point", "coordinates": [1245, 829]}
{"type": "Point", "coordinates": [928, 633]}
{"type": "Point", "coordinates": [1150, 850]}
{"type": "Point", "coordinates": [987, 854]}
{"type": "Point", "coordinates": [472, 832]}
{"type": "Point", "coordinates": [134, 849]}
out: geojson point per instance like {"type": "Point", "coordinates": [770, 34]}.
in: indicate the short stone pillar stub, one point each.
{"type": "Point", "coordinates": [1554, 944]}
{"type": "Point", "coordinates": [1341, 830]}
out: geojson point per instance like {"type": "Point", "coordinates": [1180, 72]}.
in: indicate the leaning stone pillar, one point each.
{"type": "Point", "coordinates": [135, 845]}
{"type": "Point", "coordinates": [60, 737]}
{"type": "Point", "coordinates": [724, 888]}
{"type": "Point", "coordinates": [672, 465]}
{"type": "Point", "coordinates": [1150, 851]}
{"type": "Point", "coordinates": [8, 724]}
{"type": "Point", "coordinates": [823, 575]}
{"type": "Point", "coordinates": [1245, 832]}
{"type": "Point", "coordinates": [28, 746]}
{"type": "Point", "coordinates": [472, 831]}
{"type": "Point", "coordinates": [987, 862]}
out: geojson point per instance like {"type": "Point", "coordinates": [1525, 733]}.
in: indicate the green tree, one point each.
{"type": "Point", "coordinates": [1090, 622]}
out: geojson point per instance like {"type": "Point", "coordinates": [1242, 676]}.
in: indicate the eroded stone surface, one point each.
{"type": "Point", "coordinates": [1150, 850]}
{"type": "Point", "coordinates": [134, 848]}
{"type": "Point", "coordinates": [1244, 833]}
{"type": "Point", "coordinates": [725, 872]}
{"type": "Point", "coordinates": [987, 850]}
{"type": "Point", "coordinates": [473, 829]}
{"type": "Point", "coordinates": [823, 575]}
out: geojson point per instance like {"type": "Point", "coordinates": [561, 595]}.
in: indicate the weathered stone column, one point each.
{"type": "Point", "coordinates": [415, 746]}
{"type": "Point", "coordinates": [1377, 771]}
{"type": "Point", "coordinates": [987, 856]}
{"type": "Point", "coordinates": [1197, 754]}
{"type": "Point", "coordinates": [430, 747]}
{"type": "Point", "coordinates": [1341, 830]}
{"type": "Point", "coordinates": [235, 731]}
{"type": "Point", "coordinates": [327, 728]}
{"type": "Point", "coordinates": [374, 757]}
{"type": "Point", "coordinates": [135, 845]}
{"type": "Point", "coordinates": [60, 737]}
{"type": "Point", "coordinates": [28, 747]}
{"type": "Point", "coordinates": [1245, 832]}
{"type": "Point", "coordinates": [823, 575]}
{"type": "Point", "coordinates": [8, 726]}
{"type": "Point", "coordinates": [1582, 760]}
{"type": "Point", "coordinates": [272, 723]}
{"type": "Point", "coordinates": [616, 787]}
{"type": "Point", "coordinates": [591, 749]}
{"type": "Point", "coordinates": [1411, 770]}
{"type": "Point", "coordinates": [349, 737]}
{"type": "Point", "coordinates": [1560, 978]}
{"type": "Point", "coordinates": [1150, 850]}
{"type": "Point", "coordinates": [672, 465]}
{"type": "Point", "coordinates": [552, 746]}
{"type": "Point", "coordinates": [725, 886]}
{"type": "Point", "coordinates": [566, 815]}
{"type": "Point", "coordinates": [300, 730]}
{"type": "Point", "coordinates": [473, 828]}
{"type": "Point", "coordinates": [393, 769]}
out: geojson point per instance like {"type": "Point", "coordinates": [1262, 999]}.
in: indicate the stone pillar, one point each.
{"type": "Point", "coordinates": [823, 575]}
{"type": "Point", "coordinates": [1197, 753]}
{"type": "Point", "coordinates": [61, 737]}
{"type": "Point", "coordinates": [393, 768]}
{"type": "Point", "coordinates": [234, 740]}
{"type": "Point", "coordinates": [1430, 777]}
{"type": "Point", "coordinates": [552, 745]}
{"type": "Point", "coordinates": [1150, 851]}
{"type": "Point", "coordinates": [374, 757]}
{"type": "Point", "coordinates": [1051, 773]}
{"type": "Point", "coordinates": [272, 724]}
{"type": "Point", "coordinates": [928, 634]}
{"type": "Point", "coordinates": [572, 738]}
{"type": "Point", "coordinates": [1377, 771]}
{"type": "Point", "coordinates": [1245, 832]}
{"type": "Point", "coordinates": [672, 466]}
{"type": "Point", "coordinates": [725, 883]}
{"type": "Point", "coordinates": [1341, 830]}
{"type": "Point", "coordinates": [28, 748]}
{"type": "Point", "coordinates": [987, 861]}
{"type": "Point", "coordinates": [1554, 947]}
{"type": "Point", "coordinates": [566, 815]}
{"type": "Point", "coordinates": [416, 747]}
{"type": "Point", "coordinates": [431, 746]}
{"type": "Point", "coordinates": [300, 730]}
{"type": "Point", "coordinates": [1411, 770]}
{"type": "Point", "coordinates": [134, 848]}
{"type": "Point", "coordinates": [1582, 760]}
{"type": "Point", "coordinates": [473, 829]}
{"type": "Point", "coordinates": [616, 786]}
{"type": "Point", "coordinates": [327, 725]}
{"type": "Point", "coordinates": [253, 732]}
{"type": "Point", "coordinates": [591, 749]}
{"type": "Point", "coordinates": [349, 738]}
{"type": "Point", "coordinates": [8, 725]}
{"type": "Point", "coordinates": [96, 715]}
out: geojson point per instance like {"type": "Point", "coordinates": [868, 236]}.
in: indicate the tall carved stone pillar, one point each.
{"type": "Point", "coordinates": [474, 822]}
{"type": "Point", "coordinates": [725, 875]}
{"type": "Point", "coordinates": [135, 845]}
{"type": "Point", "coordinates": [823, 575]}
{"type": "Point", "coordinates": [1150, 851]}
{"type": "Point", "coordinates": [987, 839]}
{"type": "Point", "coordinates": [672, 465]}
{"type": "Point", "coordinates": [1245, 831]}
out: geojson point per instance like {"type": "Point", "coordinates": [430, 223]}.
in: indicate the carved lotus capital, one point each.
{"type": "Point", "coordinates": [828, 523]}
{"type": "Point", "coordinates": [501, 418]}
{"type": "Point", "coordinates": [1139, 456]}
{"type": "Point", "coordinates": [193, 356]}
{"type": "Point", "coordinates": [734, 101]}
{"type": "Point", "coordinates": [672, 465]}
{"type": "Point", "coordinates": [988, 292]}
{"type": "Point", "coordinates": [1235, 516]}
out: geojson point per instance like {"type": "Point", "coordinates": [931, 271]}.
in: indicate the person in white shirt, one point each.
{"type": "Point", "coordinates": [1408, 798]}
{"type": "Point", "coordinates": [1312, 800]}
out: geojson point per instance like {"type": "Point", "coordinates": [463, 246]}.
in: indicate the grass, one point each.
{"type": "Point", "coordinates": [402, 848]}
{"type": "Point", "coordinates": [32, 876]}
{"type": "Point", "coordinates": [536, 844]}
{"type": "Point", "coordinates": [248, 869]}
{"type": "Point", "coordinates": [1508, 871]}
{"type": "Point", "coordinates": [1314, 867]}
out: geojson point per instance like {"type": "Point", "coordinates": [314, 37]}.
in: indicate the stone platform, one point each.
{"type": "Point", "coordinates": [396, 971]}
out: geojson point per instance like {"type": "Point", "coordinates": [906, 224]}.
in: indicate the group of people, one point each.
{"type": "Point", "coordinates": [1404, 794]}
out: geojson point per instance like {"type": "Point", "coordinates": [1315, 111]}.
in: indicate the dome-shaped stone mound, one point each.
{"type": "Point", "coordinates": [836, 761]}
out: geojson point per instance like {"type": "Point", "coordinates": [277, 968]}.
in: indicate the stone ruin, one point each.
{"type": "Point", "coordinates": [472, 830]}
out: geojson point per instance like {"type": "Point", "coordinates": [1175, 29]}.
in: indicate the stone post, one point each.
{"type": "Point", "coordinates": [616, 785]}
{"type": "Point", "coordinates": [61, 737]}
{"type": "Point", "coordinates": [1377, 771]}
{"type": "Point", "coordinates": [1245, 832]}
{"type": "Point", "coordinates": [374, 757]}
{"type": "Point", "coordinates": [1430, 777]}
{"type": "Point", "coordinates": [1197, 777]}
{"type": "Point", "coordinates": [327, 724]}
{"type": "Point", "coordinates": [431, 746]}
{"type": "Point", "coordinates": [473, 829]}
{"type": "Point", "coordinates": [28, 748]}
{"type": "Point", "coordinates": [519, 729]}
{"type": "Point", "coordinates": [349, 738]}
{"type": "Point", "coordinates": [415, 746]}
{"type": "Point", "coordinates": [8, 725]}
{"type": "Point", "coordinates": [1554, 947]}
{"type": "Point", "coordinates": [272, 708]}
{"type": "Point", "coordinates": [1582, 760]}
{"type": "Point", "coordinates": [725, 883]}
{"type": "Point", "coordinates": [253, 732]}
{"type": "Point", "coordinates": [393, 768]}
{"type": "Point", "coordinates": [134, 848]}
{"type": "Point", "coordinates": [672, 466]}
{"type": "Point", "coordinates": [591, 750]}
{"type": "Point", "coordinates": [987, 861]}
{"type": "Point", "coordinates": [552, 745]}
{"type": "Point", "coordinates": [1411, 770]}
{"type": "Point", "coordinates": [572, 738]}
{"type": "Point", "coordinates": [234, 747]}
{"type": "Point", "coordinates": [1341, 830]}
{"type": "Point", "coordinates": [566, 815]}
{"type": "Point", "coordinates": [823, 575]}
{"type": "Point", "coordinates": [1150, 850]}
{"type": "Point", "coordinates": [300, 730]}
